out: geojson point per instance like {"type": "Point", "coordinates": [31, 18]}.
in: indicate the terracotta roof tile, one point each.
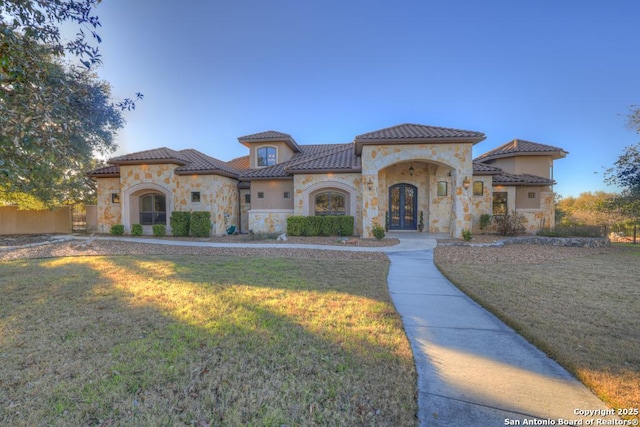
{"type": "Point", "coordinates": [240, 163]}
{"type": "Point", "coordinates": [409, 131]}
{"type": "Point", "coordinates": [505, 178]}
{"type": "Point", "coordinates": [333, 157]}
{"type": "Point", "coordinates": [200, 163]}
{"type": "Point", "coordinates": [480, 168]}
{"type": "Point", "coordinates": [158, 155]}
{"type": "Point", "coordinates": [271, 136]}
{"type": "Point", "coordinates": [522, 147]}
{"type": "Point", "coordinates": [105, 172]}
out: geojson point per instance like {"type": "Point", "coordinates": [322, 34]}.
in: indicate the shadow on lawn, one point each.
{"type": "Point", "coordinates": [155, 340]}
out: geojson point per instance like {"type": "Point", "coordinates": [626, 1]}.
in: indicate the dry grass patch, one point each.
{"type": "Point", "coordinates": [579, 306]}
{"type": "Point", "coordinates": [194, 340]}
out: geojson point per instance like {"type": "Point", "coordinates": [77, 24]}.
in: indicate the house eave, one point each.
{"type": "Point", "coordinates": [147, 162]}
{"type": "Point", "coordinates": [403, 141]}
{"type": "Point", "coordinates": [207, 172]}
{"type": "Point", "coordinates": [320, 171]}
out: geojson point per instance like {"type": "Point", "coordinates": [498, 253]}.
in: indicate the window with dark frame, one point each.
{"type": "Point", "coordinates": [115, 197]}
{"type": "Point", "coordinates": [500, 203]}
{"type": "Point", "coordinates": [330, 203]}
{"type": "Point", "coordinates": [287, 195]}
{"type": "Point", "coordinates": [260, 195]}
{"type": "Point", "coordinates": [478, 188]}
{"type": "Point", "coordinates": [266, 156]}
{"type": "Point", "coordinates": [153, 209]}
{"type": "Point", "coordinates": [195, 197]}
{"type": "Point", "coordinates": [247, 198]}
{"type": "Point", "coordinates": [531, 195]}
{"type": "Point", "coordinates": [442, 188]}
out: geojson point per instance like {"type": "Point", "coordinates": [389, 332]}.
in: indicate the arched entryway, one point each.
{"type": "Point", "coordinates": [403, 207]}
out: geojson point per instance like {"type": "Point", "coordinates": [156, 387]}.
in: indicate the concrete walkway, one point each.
{"type": "Point", "coordinates": [473, 370]}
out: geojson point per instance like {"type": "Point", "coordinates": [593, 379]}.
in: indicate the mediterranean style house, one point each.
{"type": "Point", "coordinates": [393, 177]}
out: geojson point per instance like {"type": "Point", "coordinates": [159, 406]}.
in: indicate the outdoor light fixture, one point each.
{"type": "Point", "coordinates": [370, 184]}
{"type": "Point", "coordinates": [411, 170]}
{"type": "Point", "coordinates": [466, 183]}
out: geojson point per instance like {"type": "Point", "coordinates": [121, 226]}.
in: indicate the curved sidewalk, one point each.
{"type": "Point", "coordinates": [473, 370]}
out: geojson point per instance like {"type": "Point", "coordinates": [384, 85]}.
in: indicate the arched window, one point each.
{"type": "Point", "coordinates": [153, 209]}
{"type": "Point", "coordinates": [330, 203]}
{"type": "Point", "coordinates": [266, 156]}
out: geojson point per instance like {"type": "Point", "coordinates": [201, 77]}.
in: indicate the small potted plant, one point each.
{"type": "Point", "coordinates": [421, 222]}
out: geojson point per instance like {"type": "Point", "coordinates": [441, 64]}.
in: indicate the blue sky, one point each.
{"type": "Point", "coordinates": [556, 72]}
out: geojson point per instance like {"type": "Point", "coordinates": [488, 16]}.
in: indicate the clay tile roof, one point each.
{"type": "Point", "coordinates": [520, 147]}
{"type": "Point", "coordinates": [409, 131]}
{"type": "Point", "coordinates": [332, 157]}
{"type": "Point", "coordinates": [521, 179]}
{"type": "Point", "coordinates": [312, 158]}
{"type": "Point", "coordinates": [157, 155]}
{"type": "Point", "coordinates": [111, 171]}
{"type": "Point", "coordinates": [240, 163]}
{"type": "Point", "coordinates": [484, 169]}
{"type": "Point", "coordinates": [199, 163]}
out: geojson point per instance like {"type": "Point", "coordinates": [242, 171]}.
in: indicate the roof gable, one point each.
{"type": "Point", "coordinates": [520, 147]}
{"type": "Point", "coordinates": [271, 136]}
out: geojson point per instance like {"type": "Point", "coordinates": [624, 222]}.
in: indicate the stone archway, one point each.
{"type": "Point", "coordinates": [130, 202]}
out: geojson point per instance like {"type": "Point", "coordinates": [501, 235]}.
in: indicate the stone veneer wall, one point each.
{"type": "Point", "coordinates": [307, 184]}
{"type": "Point", "coordinates": [535, 219]}
{"type": "Point", "coordinates": [108, 213]}
{"type": "Point", "coordinates": [269, 221]}
{"type": "Point", "coordinates": [482, 204]}
{"type": "Point", "coordinates": [457, 157]}
{"type": "Point", "coordinates": [218, 195]}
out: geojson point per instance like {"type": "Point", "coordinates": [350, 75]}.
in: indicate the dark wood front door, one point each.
{"type": "Point", "coordinates": [403, 205]}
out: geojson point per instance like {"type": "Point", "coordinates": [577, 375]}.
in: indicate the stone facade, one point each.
{"type": "Point", "coordinates": [393, 177]}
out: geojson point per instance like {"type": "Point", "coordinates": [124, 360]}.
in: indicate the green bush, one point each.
{"type": "Point", "coordinates": [200, 225]}
{"type": "Point", "coordinates": [467, 235]}
{"type": "Point", "coordinates": [378, 231]}
{"type": "Point", "coordinates": [117, 229]}
{"type": "Point", "coordinates": [313, 226]}
{"type": "Point", "coordinates": [330, 225]}
{"type": "Point", "coordinates": [136, 230]}
{"type": "Point", "coordinates": [485, 220]}
{"type": "Point", "coordinates": [295, 225]}
{"type": "Point", "coordinates": [572, 231]}
{"type": "Point", "coordinates": [159, 230]}
{"type": "Point", "coordinates": [180, 222]}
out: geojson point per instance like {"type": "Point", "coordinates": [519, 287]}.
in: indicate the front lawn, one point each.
{"type": "Point", "coordinates": [200, 340]}
{"type": "Point", "coordinates": [582, 307]}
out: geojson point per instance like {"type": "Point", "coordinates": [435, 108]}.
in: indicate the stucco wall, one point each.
{"type": "Point", "coordinates": [283, 152]}
{"type": "Point", "coordinates": [14, 221]}
{"type": "Point", "coordinates": [273, 191]}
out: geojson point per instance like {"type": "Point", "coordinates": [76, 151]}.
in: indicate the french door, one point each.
{"type": "Point", "coordinates": [403, 206]}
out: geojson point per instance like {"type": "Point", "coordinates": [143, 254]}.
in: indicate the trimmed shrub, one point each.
{"type": "Point", "coordinates": [467, 235]}
{"type": "Point", "coordinates": [180, 223]}
{"type": "Point", "coordinates": [295, 225]}
{"type": "Point", "coordinates": [136, 230]}
{"type": "Point", "coordinates": [485, 221]}
{"type": "Point", "coordinates": [313, 226]}
{"type": "Point", "coordinates": [378, 231]}
{"type": "Point", "coordinates": [200, 225]}
{"type": "Point", "coordinates": [159, 230]}
{"type": "Point", "coordinates": [117, 230]}
{"type": "Point", "coordinates": [330, 225]}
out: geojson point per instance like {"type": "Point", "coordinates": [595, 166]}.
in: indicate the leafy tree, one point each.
{"type": "Point", "coordinates": [625, 173]}
{"type": "Point", "coordinates": [53, 117]}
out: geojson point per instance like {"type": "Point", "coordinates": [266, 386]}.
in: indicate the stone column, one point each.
{"type": "Point", "coordinates": [370, 209]}
{"type": "Point", "coordinates": [461, 216]}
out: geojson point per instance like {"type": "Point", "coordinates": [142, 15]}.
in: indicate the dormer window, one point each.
{"type": "Point", "coordinates": [266, 156]}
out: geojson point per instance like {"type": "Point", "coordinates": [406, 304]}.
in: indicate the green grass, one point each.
{"type": "Point", "coordinates": [581, 310]}
{"type": "Point", "coordinates": [161, 340]}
